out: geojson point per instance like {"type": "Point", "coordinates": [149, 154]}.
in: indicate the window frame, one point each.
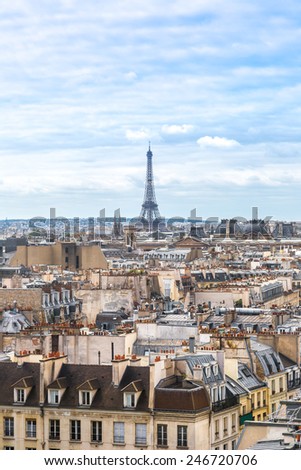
{"type": "Point", "coordinates": [8, 426]}
{"type": "Point", "coordinates": [182, 436]}
{"type": "Point", "coordinates": [140, 434]}
{"type": "Point", "coordinates": [54, 396]}
{"type": "Point", "coordinates": [31, 428]}
{"type": "Point", "coordinates": [96, 432]}
{"type": "Point", "coordinates": [118, 432]}
{"type": "Point", "coordinates": [75, 430]}
{"type": "Point", "coordinates": [162, 435]}
{"type": "Point", "coordinates": [19, 395]}
{"type": "Point", "coordinates": [85, 398]}
{"type": "Point", "coordinates": [54, 430]}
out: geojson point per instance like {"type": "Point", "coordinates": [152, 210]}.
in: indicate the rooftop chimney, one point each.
{"type": "Point", "coordinates": [191, 344]}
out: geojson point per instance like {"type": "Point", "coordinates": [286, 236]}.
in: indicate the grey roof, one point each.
{"type": "Point", "coordinates": [234, 387]}
{"type": "Point", "coordinates": [203, 360]}
{"type": "Point", "coordinates": [247, 379]}
{"type": "Point", "coordinates": [270, 361]}
{"type": "Point", "coordinates": [287, 362]}
{"type": "Point", "coordinates": [255, 319]}
{"type": "Point", "coordinates": [277, 444]}
{"type": "Point", "coordinates": [11, 374]}
{"type": "Point", "coordinates": [13, 322]}
{"type": "Point", "coordinates": [176, 394]}
{"type": "Point", "coordinates": [107, 396]}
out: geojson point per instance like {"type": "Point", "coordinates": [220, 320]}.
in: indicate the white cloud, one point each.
{"type": "Point", "coordinates": [177, 129]}
{"type": "Point", "coordinates": [134, 136]}
{"type": "Point", "coordinates": [131, 76]}
{"type": "Point", "coordinates": [219, 142]}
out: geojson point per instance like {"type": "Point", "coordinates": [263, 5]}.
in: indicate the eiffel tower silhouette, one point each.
{"type": "Point", "coordinates": [150, 214]}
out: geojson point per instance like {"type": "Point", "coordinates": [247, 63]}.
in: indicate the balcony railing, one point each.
{"type": "Point", "coordinates": [246, 417]}
{"type": "Point", "coordinates": [227, 403]}
{"type": "Point", "coordinates": [294, 383]}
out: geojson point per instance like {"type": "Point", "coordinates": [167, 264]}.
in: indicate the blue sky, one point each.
{"type": "Point", "coordinates": [213, 84]}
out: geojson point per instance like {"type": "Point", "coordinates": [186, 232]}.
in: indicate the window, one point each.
{"type": "Point", "coordinates": [216, 427]}
{"type": "Point", "coordinates": [96, 431]}
{"type": "Point", "coordinates": [258, 400]}
{"type": "Point", "coordinates": [220, 393]}
{"type": "Point", "coordinates": [129, 400]}
{"type": "Point", "coordinates": [54, 429]}
{"type": "Point", "coordinates": [75, 434]}
{"type": "Point", "coordinates": [140, 434]}
{"type": "Point", "coordinates": [31, 428]}
{"type": "Point", "coordinates": [233, 422]}
{"type": "Point", "coordinates": [162, 435]}
{"type": "Point", "coordinates": [225, 426]}
{"type": "Point", "coordinates": [273, 408]}
{"type": "Point", "coordinates": [19, 395]}
{"type": "Point", "coordinates": [182, 436]}
{"type": "Point", "coordinates": [8, 424]}
{"type": "Point", "coordinates": [8, 448]}
{"type": "Point", "coordinates": [85, 398]}
{"type": "Point", "coordinates": [118, 436]}
{"type": "Point", "coordinates": [54, 397]}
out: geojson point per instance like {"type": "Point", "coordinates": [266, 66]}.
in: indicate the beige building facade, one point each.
{"type": "Point", "coordinates": [70, 255]}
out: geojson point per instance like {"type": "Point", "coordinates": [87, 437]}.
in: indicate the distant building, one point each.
{"type": "Point", "coordinates": [70, 255]}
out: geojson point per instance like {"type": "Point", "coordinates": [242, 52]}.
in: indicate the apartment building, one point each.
{"type": "Point", "coordinates": [51, 404]}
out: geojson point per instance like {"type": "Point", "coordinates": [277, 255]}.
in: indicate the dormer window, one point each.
{"type": "Point", "coordinates": [87, 392]}
{"type": "Point", "coordinates": [56, 390]}
{"type": "Point", "coordinates": [19, 395]}
{"type": "Point", "coordinates": [131, 394]}
{"type": "Point", "coordinates": [54, 397]}
{"type": "Point", "coordinates": [85, 398]}
{"type": "Point", "coordinates": [22, 389]}
{"type": "Point", "coordinates": [129, 400]}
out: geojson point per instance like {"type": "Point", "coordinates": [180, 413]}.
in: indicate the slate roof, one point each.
{"type": "Point", "coordinates": [234, 387]}
{"type": "Point", "coordinates": [176, 394]}
{"type": "Point", "coordinates": [136, 386]}
{"type": "Point", "coordinates": [24, 382]}
{"type": "Point", "coordinates": [90, 384]}
{"type": "Point", "coordinates": [287, 362]}
{"type": "Point", "coordinates": [270, 361]}
{"type": "Point", "coordinates": [11, 375]}
{"type": "Point", "coordinates": [58, 384]}
{"type": "Point", "coordinates": [72, 378]}
{"type": "Point", "coordinates": [276, 444]}
{"type": "Point", "coordinates": [107, 396]}
{"type": "Point", "coordinates": [203, 360]}
{"type": "Point", "coordinates": [247, 379]}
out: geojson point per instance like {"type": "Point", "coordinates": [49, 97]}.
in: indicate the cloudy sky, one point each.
{"type": "Point", "coordinates": [213, 84]}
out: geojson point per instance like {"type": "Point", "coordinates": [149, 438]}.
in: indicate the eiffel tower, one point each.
{"type": "Point", "coordinates": [150, 214]}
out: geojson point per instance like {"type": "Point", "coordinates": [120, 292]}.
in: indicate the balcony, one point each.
{"type": "Point", "coordinates": [246, 417]}
{"type": "Point", "coordinates": [294, 383]}
{"type": "Point", "coordinates": [223, 404]}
